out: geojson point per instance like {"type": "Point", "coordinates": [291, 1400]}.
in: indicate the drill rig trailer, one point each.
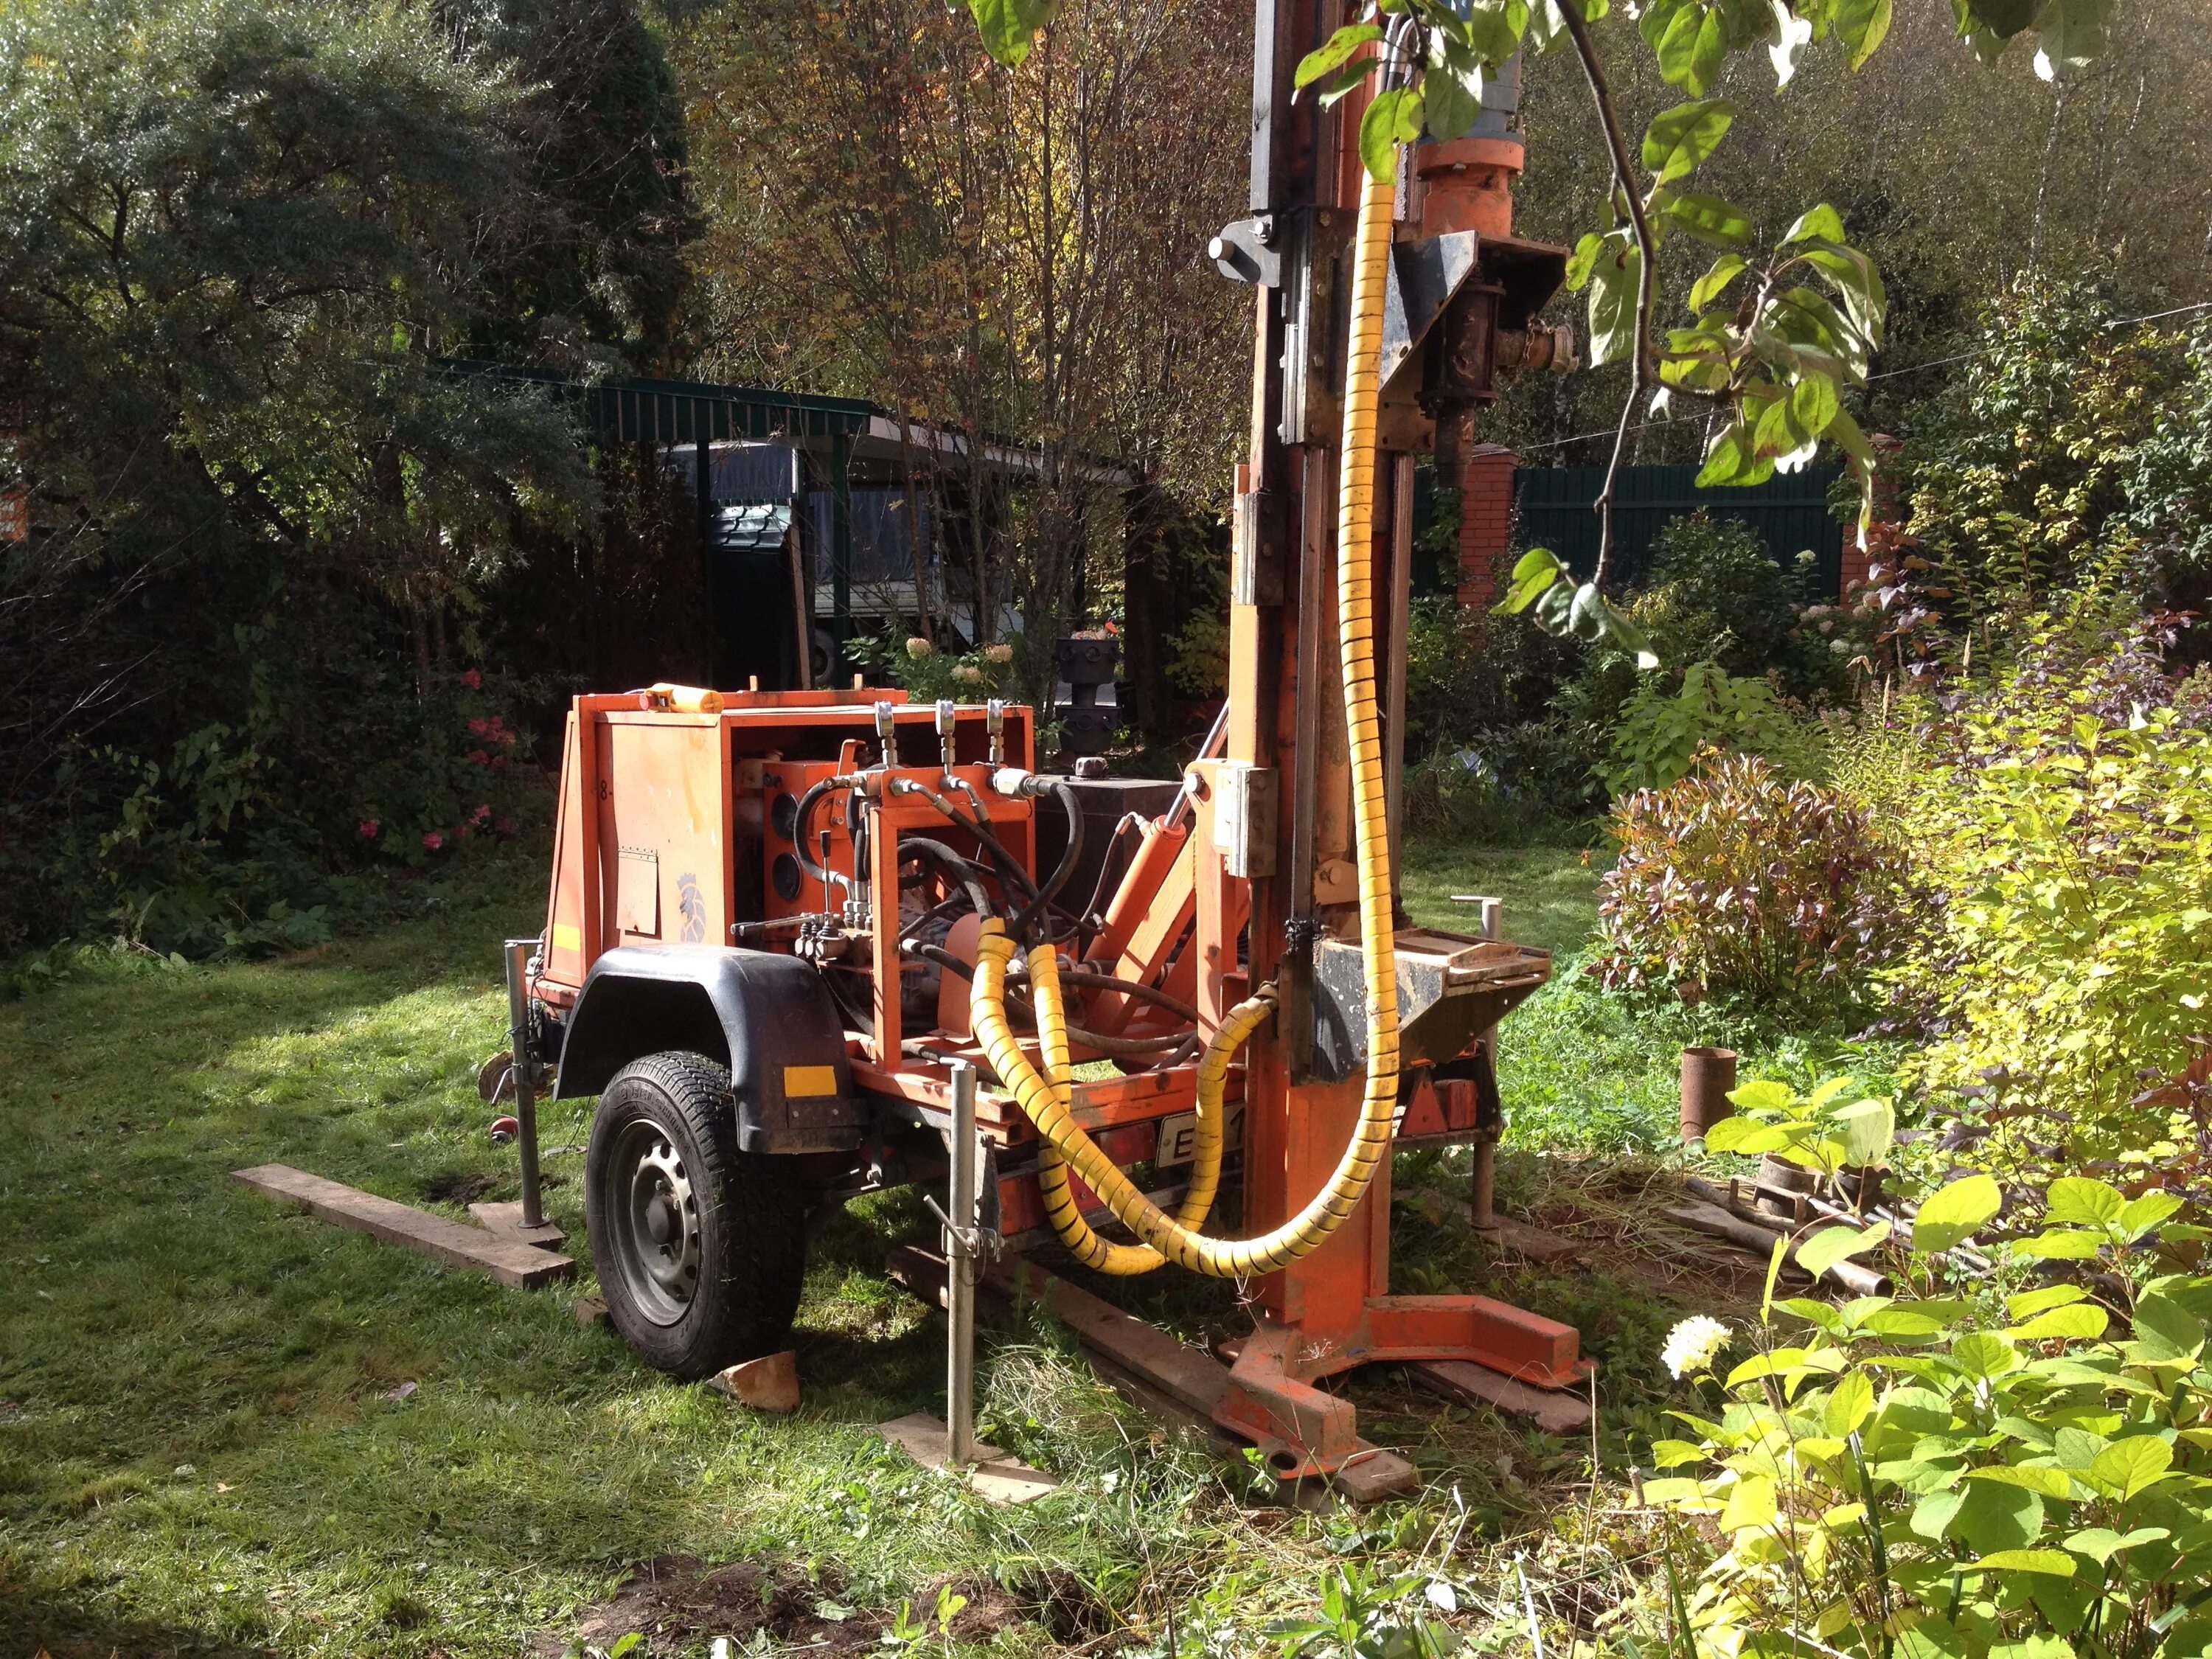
{"type": "Point", "coordinates": [779, 921]}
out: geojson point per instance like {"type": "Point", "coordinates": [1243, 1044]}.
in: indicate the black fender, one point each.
{"type": "Point", "coordinates": [768, 1016]}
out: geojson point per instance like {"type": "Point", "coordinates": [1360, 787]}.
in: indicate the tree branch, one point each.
{"type": "Point", "coordinates": [1647, 246]}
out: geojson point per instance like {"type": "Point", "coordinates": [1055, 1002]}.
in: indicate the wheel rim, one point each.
{"type": "Point", "coordinates": [655, 1215]}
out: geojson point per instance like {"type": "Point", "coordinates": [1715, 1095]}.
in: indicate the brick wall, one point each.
{"type": "Point", "coordinates": [1486, 523]}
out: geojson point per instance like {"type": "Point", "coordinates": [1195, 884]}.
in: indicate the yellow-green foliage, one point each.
{"type": "Point", "coordinates": [1955, 1473]}
{"type": "Point", "coordinates": [2069, 949]}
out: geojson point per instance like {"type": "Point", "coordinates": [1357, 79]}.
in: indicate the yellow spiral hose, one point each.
{"type": "Point", "coordinates": [1047, 1102]}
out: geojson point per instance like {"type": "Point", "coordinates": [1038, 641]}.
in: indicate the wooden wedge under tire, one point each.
{"type": "Point", "coordinates": [700, 1248]}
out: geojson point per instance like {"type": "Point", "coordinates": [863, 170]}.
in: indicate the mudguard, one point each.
{"type": "Point", "coordinates": [768, 1016]}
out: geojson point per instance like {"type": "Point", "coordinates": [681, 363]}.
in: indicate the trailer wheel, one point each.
{"type": "Point", "coordinates": [700, 1248]}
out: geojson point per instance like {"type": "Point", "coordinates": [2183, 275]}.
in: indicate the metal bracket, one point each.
{"type": "Point", "coordinates": [1256, 554]}
{"type": "Point", "coordinates": [1423, 277]}
{"type": "Point", "coordinates": [1244, 805]}
{"type": "Point", "coordinates": [1247, 252]}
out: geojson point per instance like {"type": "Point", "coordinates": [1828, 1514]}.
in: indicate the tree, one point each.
{"type": "Point", "coordinates": [235, 236]}
{"type": "Point", "coordinates": [586, 267]}
{"type": "Point", "coordinates": [1774, 361]}
{"type": "Point", "coordinates": [1018, 256]}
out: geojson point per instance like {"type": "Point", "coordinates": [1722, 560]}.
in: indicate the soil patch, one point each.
{"type": "Point", "coordinates": [677, 1603]}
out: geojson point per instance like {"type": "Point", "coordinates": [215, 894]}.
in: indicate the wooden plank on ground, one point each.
{"type": "Point", "coordinates": [1555, 1412]}
{"type": "Point", "coordinates": [510, 1261]}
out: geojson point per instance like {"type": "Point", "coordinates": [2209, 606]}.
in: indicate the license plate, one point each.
{"type": "Point", "coordinates": [1179, 1136]}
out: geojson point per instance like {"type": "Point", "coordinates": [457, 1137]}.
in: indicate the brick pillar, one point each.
{"type": "Point", "coordinates": [1486, 523]}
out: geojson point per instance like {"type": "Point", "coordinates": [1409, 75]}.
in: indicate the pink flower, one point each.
{"type": "Point", "coordinates": [478, 726]}
{"type": "Point", "coordinates": [499, 762]}
{"type": "Point", "coordinates": [473, 680]}
{"type": "Point", "coordinates": [505, 827]}
{"type": "Point", "coordinates": [368, 829]}
{"type": "Point", "coordinates": [433, 840]}
{"type": "Point", "coordinates": [482, 812]}
{"type": "Point", "coordinates": [477, 757]}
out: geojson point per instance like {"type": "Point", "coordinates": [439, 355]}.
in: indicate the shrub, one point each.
{"type": "Point", "coordinates": [1735, 882]}
{"type": "Point", "coordinates": [1718, 596]}
{"type": "Point", "coordinates": [1939, 1475]}
{"type": "Point", "coordinates": [1508, 783]}
{"type": "Point", "coordinates": [2063, 839]}
{"type": "Point", "coordinates": [1661, 732]}
{"type": "Point", "coordinates": [928, 674]}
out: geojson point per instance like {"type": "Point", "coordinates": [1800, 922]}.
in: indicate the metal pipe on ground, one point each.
{"type": "Point", "coordinates": [1714, 1217]}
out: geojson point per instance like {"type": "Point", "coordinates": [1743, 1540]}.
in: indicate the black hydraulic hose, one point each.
{"type": "Point", "coordinates": [1010, 869]}
{"type": "Point", "coordinates": [960, 870]}
{"type": "Point", "coordinates": [1127, 987]}
{"type": "Point", "coordinates": [1135, 1047]}
{"type": "Point", "coordinates": [820, 787]}
{"type": "Point", "coordinates": [1068, 860]}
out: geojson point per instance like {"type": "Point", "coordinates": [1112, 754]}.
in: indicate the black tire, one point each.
{"type": "Point", "coordinates": [700, 1248]}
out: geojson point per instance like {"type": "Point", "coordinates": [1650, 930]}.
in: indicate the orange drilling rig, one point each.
{"type": "Point", "coordinates": [787, 929]}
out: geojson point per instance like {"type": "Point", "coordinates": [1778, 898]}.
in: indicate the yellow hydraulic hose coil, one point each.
{"type": "Point", "coordinates": [1047, 1100]}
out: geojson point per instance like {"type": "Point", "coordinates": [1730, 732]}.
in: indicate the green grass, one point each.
{"type": "Point", "coordinates": [205, 1438]}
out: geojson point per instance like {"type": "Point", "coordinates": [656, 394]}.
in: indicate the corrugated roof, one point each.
{"type": "Point", "coordinates": [752, 529]}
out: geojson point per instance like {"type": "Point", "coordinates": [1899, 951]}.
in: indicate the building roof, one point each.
{"type": "Point", "coordinates": [751, 528]}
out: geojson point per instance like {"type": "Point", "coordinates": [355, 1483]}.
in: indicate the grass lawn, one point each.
{"type": "Point", "coordinates": [209, 1440]}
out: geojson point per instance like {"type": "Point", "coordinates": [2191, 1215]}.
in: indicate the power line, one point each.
{"type": "Point", "coordinates": [1887, 375]}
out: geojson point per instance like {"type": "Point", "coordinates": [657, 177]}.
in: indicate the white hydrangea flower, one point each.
{"type": "Point", "coordinates": [1693, 1345]}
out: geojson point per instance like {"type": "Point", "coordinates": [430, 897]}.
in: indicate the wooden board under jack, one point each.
{"type": "Point", "coordinates": [1553, 1413]}
{"type": "Point", "coordinates": [1187, 1380]}
{"type": "Point", "coordinates": [507, 1260]}
{"type": "Point", "coordinates": [994, 1475]}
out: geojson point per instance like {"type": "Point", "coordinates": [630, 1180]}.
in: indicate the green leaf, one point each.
{"type": "Point", "coordinates": [1728, 461]}
{"type": "Point", "coordinates": [1751, 1503]}
{"type": "Point", "coordinates": [1494, 29]}
{"type": "Point", "coordinates": [1862, 25]}
{"type": "Point", "coordinates": [1710, 287]}
{"type": "Point", "coordinates": [2002, 18]}
{"type": "Point", "coordinates": [1933, 1515]}
{"type": "Point", "coordinates": [2056, 1563]}
{"type": "Point", "coordinates": [2129, 1466]}
{"type": "Point", "coordinates": [1335, 52]}
{"type": "Point", "coordinates": [1833, 1245]}
{"type": "Point", "coordinates": [1813, 405]}
{"type": "Point", "coordinates": [1849, 1403]}
{"type": "Point", "coordinates": [1453, 89]}
{"type": "Point", "coordinates": [1773, 1272]}
{"type": "Point", "coordinates": [1692, 47]}
{"type": "Point", "coordinates": [2140, 1215]}
{"type": "Point", "coordinates": [1615, 288]}
{"type": "Point", "coordinates": [1984, 1353]}
{"type": "Point", "coordinates": [1623, 632]}
{"type": "Point", "coordinates": [1951, 1213]}
{"type": "Point", "coordinates": [2034, 1477]}
{"type": "Point", "coordinates": [1761, 1095]}
{"type": "Point", "coordinates": [1709, 219]}
{"type": "Point", "coordinates": [1680, 137]}
{"type": "Point", "coordinates": [2028, 1304]}
{"type": "Point", "coordinates": [2073, 36]}
{"type": "Point", "coordinates": [2083, 1201]}
{"type": "Point", "coordinates": [2062, 1244]}
{"type": "Point", "coordinates": [2165, 1330]}
{"type": "Point", "coordinates": [1998, 1517]}
{"type": "Point", "coordinates": [1393, 118]}
{"type": "Point", "coordinates": [1868, 1134]}
{"type": "Point", "coordinates": [634, 1639]}
{"type": "Point", "coordinates": [1823, 222]}
{"type": "Point", "coordinates": [2082, 1321]}
{"type": "Point", "coordinates": [1009, 27]}
{"type": "Point", "coordinates": [1533, 575]}
{"type": "Point", "coordinates": [2101, 1544]}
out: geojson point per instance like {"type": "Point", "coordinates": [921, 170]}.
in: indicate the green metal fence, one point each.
{"type": "Point", "coordinates": [1555, 509]}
